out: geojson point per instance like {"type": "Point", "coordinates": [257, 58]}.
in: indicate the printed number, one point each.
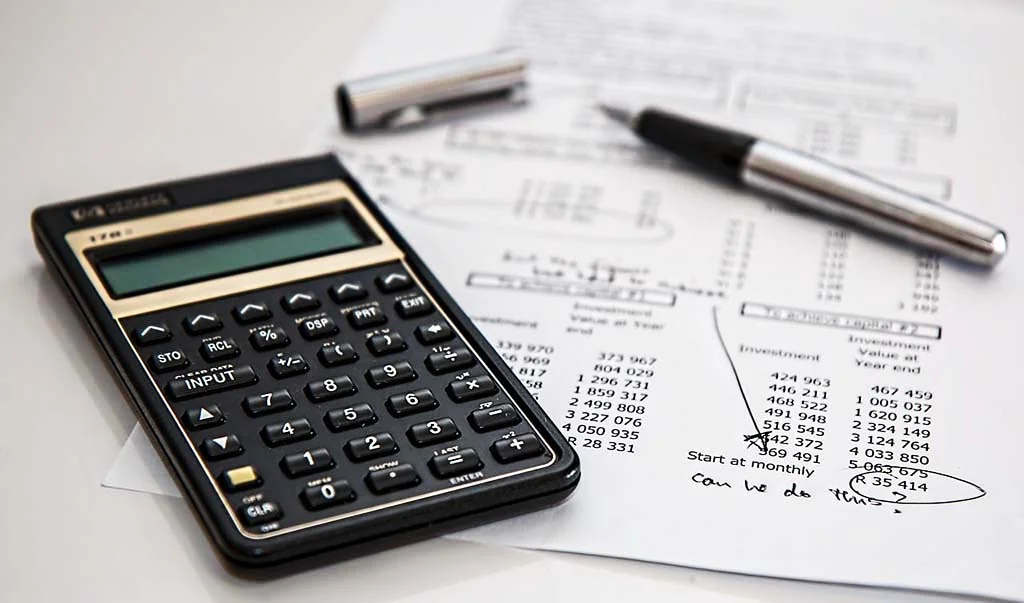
{"type": "Point", "coordinates": [327, 491]}
{"type": "Point", "coordinates": [309, 457]}
{"type": "Point", "coordinates": [411, 399]}
{"type": "Point", "coordinates": [387, 340]}
{"type": "Point", "coordinates": [371, 443]}
{"type": "Point", "coordinates": [433, 427]}
{"type": "Point", "coordinates": [350, 414]}
{"type": "Point", "coordinates": [330, 385]}
{"type": "Point", "coordinates": [390, 370]}
{"type": "Point", "coordinates": [288, 429]}
{"type": "Point", "coordinates": [267, 397]}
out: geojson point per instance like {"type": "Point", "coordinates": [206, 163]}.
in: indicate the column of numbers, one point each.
{"type": "Point", "coordinates": [608, 406]}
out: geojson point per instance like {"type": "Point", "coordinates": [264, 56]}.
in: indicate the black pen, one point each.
{"type": "Point", "coordinates": [817, 185]}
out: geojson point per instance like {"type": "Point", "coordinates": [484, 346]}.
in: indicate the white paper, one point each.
{"type": "Point", "coordinates": [687, 335]}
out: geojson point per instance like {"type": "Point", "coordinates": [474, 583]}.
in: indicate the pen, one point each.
{"type": "Point", "coordinates": [817, 185]}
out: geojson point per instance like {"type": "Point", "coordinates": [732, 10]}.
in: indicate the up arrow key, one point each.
{"type": "Point", "coordinates": [300, 302]}
{"type": "Point", "coordinates": [396, 281]}
{"type": "Point", "coordinates": [251, 312]}
{"type": "Point", "coordinates": [150, 334]}
{"type": "Point", "coordinates": [202, 323]}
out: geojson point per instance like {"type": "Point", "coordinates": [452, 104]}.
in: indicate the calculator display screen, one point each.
{"type": "Point", "coordinates": [224, 253]}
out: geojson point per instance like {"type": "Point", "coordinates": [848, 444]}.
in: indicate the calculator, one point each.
{"type": "Point", "coordinates": [310, 384]}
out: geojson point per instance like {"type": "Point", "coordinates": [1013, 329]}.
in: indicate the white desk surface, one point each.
{"type": "Point", "coordinates": [102, 95]}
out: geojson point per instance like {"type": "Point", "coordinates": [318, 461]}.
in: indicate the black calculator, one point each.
{"type": "Point", "coordinates": [308, 381]}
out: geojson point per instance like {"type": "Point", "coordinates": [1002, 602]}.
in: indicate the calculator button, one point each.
{"type": "Point", "coordinates": [287, 365]}
{"type": "Point", "coordinates": [433, 432]}
{"type": "Point", "coordinates": [395, 281]}
{"type": "Point", "coordinates": [456, 463]}
{"type": "Point", "coordinates": [203, 417]}
{"type": "Point", "coordinates": [369, 316]}
{"type": "Point", "coordinates": [318, 328]}
{"type": "Point", "coordinates": [517, 448]}
{"type": "Point", "coordinates": [452, 359]}
{"type": "Point", "coordinates": [412, 402]}
{"type": "Point", "coordinates": [269, 338]}
{"type": "Point", "coordinates": [330, 388]}
{"type": "Point", "coordinates": [411, 307]}
{"type": "Point", "coordinates": [240, 478]}
{"type": "Point", "coordinates": [390, 374]}
{"type": "Point", "coordinates": [350, 417]}
{"type": "Point", "coordinates": [371, 447]}
{"type": "Point", "coordinates": [197, 324]}
{"type": "Point", "coordinates": [347, 292]}
{"type": "Point", "coordinates": [471, 388]}
{"type": "Point", "coordinates": [251, 312]}
{"type": "Point", "coordinates": [150, 334]}
{"type": "Point", "coordinates": [496, 417]}
{"type": "Point", "coordinates": [219, 349]}
{"type": "Point", "coordinates": [326, 495]}
{"type": "Point", "coordinates": [300, 302]}
{"type": "Point", "coordinates": [434, 332]}
{"type": "Point", "coordinates": [259, 513]}
{"type": "Point", "coordinates": [168, 360]}
{"type": "Point", "coordinates": [269, 402]}
{"type": "Point", "coordinates": [335, 354]}
{"type": "Point", "coordinates": [385, 343]}
{"type": "Point", "coordinates": [208, 383]}
{"type": "Point", "coordinates": [395, 478]}
{"type": "Point", "coordinates": [304, 463]}
{"type": "Point", "coordinates": [221, 448]}
{"type": "Point", "coordinates": [278, 434]}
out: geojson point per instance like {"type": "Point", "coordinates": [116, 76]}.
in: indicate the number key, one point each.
{"type": "Point", "coordinates": [330, 388]}
{"type": "Point", "coordinates": [390, 374]}
{"type": "Point", "coordinates": [412, 402]}
{"type": "Point", "coordinates": [433, 432]}
{"type": "Point", "coordinates": [371, 446]}
{"type": "Point", "coordinates": [350, 417]}
{"type": "Point", "coordinates": [278, 434]}
{"type": "Point", "coordinates": [269, 402]}
{"type": "Point", "coordinates": [304, 463]}
{"type": "Point", "coordinates": [327, 495]}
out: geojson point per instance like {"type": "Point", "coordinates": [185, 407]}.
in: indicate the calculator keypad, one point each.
{"type": "Point", "coordinates": [332, 395]}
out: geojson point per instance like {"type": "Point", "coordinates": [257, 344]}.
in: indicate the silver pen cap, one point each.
{"type": "Point", "coordinates": [431, 92]}
{"type": "Point", "coordinates": [835, 191]}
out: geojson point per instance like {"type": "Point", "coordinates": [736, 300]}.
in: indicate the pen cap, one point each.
{"type": "Point", "coordinates": [435, 91]}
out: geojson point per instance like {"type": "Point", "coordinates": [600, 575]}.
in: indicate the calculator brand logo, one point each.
{"type": "Point", "coordinates": [121, 207]}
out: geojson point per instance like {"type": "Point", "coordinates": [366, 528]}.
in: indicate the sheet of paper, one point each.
{"type": "Point", "coordinates": [750, 389]}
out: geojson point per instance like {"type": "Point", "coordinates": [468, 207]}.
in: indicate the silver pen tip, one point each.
{"type": "Point", "coordinates": [616, 112]}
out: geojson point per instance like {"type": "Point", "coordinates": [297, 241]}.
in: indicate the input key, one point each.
{"type": "Point", "coordinates": [216, 380]}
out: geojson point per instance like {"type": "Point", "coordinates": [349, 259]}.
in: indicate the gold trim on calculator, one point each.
{"type": "Point", "coordinates": [85, 240]}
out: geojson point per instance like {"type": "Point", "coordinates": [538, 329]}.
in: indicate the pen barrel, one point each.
{"type": "Point", "coordinates": [829, 189]}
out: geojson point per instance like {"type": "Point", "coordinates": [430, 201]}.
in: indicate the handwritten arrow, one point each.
{"type": "Point", "coordinates": [758, 438]}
